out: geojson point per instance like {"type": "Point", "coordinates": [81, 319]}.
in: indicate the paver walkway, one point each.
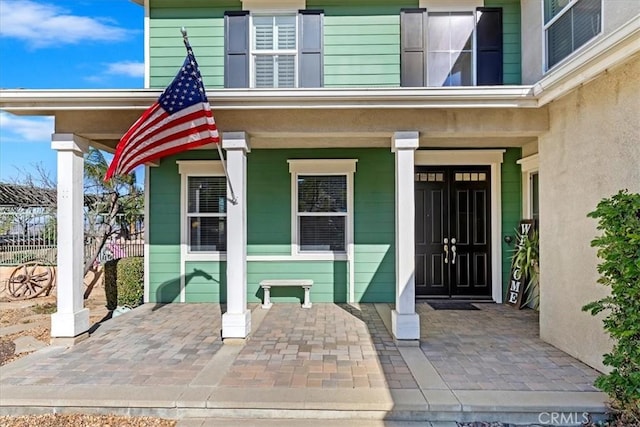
{"type": "Point", "coordinates": [328, 346]}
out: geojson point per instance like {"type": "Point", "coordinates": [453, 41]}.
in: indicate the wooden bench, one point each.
{"type": "Point", "coordinates": [303, 283]}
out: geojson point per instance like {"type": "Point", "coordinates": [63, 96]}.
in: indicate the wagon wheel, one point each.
{"type": "Point", "coordinates": [30, 279]}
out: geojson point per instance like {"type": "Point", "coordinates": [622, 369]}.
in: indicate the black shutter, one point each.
{"type": "Point", "coordinates": [236, 49]}
{"type": "Point", "coordinates": [413, 47]}
{"type": "Point", "coordinates": [310, 48]}
{"type": "Point", "coordinates": [489, 51]}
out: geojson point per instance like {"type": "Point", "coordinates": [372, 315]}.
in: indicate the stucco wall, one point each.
{"type": "Point", "coordinates": [591, 151]}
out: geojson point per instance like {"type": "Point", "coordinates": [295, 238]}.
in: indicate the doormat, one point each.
{"type": "Point", "coordinates": [452, 305]}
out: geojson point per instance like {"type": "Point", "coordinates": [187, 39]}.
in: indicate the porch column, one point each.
{"type": "Point", "coordinates": [405, 321]}
{"type": "Point", "coordinates": [236, 322]}
{"type": "Point", "coordinates": [72, 319]}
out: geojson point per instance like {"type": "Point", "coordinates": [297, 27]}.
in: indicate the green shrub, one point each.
{"type": "Point", "coordinates": [130, 280]}
{"type": "Point", "coordinates": [619, 251]}
{"type": "Point", "coordinates": [111, 283]}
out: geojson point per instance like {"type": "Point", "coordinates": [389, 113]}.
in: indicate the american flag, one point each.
{"type": "Point", "coordinates": [179, 120]}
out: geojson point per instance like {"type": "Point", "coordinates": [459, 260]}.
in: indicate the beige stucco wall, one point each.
{"type": "Point", "coordinates": [531, 40]}
{"type": "Point", "coordinates": [591, 151]}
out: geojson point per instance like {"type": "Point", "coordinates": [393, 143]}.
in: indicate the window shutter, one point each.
{"type": "Point", "coordinates": [413, 45]}
{"type": "Point", "coordinates": [310, 47]}
{"type": "Point", "coordinates": [236, 49]}
{"type": "Point", "coordinates": [489, 46]}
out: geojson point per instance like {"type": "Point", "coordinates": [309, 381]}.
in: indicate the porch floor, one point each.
{"type": "Point", "coordinates": [330, 361]}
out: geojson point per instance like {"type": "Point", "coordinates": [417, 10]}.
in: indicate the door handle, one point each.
{"type": "Point", "coordinates": [453, 250]}
{"type": "Point", "coordinates": [446, 250]}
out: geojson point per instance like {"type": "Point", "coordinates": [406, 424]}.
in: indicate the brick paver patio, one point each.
{"type": "Point", "coordinates": [329, 346]}
{"type": "Point", "coordinates": [168, 345]}
{"type": "Point", "coordinates": [497, 348]}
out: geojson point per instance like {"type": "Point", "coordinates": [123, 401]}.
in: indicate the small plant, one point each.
{"type": "Point", "coordinates": [130, 280]}
{"type": "Point", "coordinates": [619, 250]}
{"type": "Point", "coordinates": [47, 308]}
{"type": "Point", "coordinates": [526, 258]}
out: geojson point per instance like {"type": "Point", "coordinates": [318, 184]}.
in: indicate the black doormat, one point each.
{"type": "Point", "coordinates": [452, 305]}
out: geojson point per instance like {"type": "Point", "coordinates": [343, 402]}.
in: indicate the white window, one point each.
{"type": "Point", "coordinates": [322, 205]}
{"type": "Point", "coordinates": [450, 45]}
{"type": "Point", "coordinates": [204, 207]}
{"type": "Point", "coordinates": [274, 51]}
{"type": "Point", "coordinates": [530, 187]}
{"type": "Point", "coordinates": [569, 24]}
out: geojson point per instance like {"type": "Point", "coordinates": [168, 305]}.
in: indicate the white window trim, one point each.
{"type": "Point", "coordinates": [188, 168]}
{"type": "Point", "coordinates": [252, 51]}
{"type": "Point", "coordinates": [345, 167]}
{"type": "Point", "coordinates": [529, 165]}
{"type": "Point", "coordinates": [494, 159]}
{"type": "Point", "coordinates": [546, 26]}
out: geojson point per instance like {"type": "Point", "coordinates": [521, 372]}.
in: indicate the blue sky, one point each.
{"type": "Point", "coordinates": [62, 44]}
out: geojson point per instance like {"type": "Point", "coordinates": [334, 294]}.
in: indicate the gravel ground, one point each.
{"type": "Point", "coordinates": [81, 420]}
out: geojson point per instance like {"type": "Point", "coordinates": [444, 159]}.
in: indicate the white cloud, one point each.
{"type": "Point", "coordinates": [27, 129]}
{"type": "Point", "coordinates": [126, 68]}
{"type": "Point", "coordinates": [42, 24]}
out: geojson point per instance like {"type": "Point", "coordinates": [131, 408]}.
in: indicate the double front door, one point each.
{"type": "Point", "coordinates": [453, 247]}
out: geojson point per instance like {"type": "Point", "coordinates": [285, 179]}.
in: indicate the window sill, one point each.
{"type": "Point", "coordinates": [205, 256]}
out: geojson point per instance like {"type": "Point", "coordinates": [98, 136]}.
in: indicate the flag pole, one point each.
{"type": "Point", "coordinates": [234, 199]}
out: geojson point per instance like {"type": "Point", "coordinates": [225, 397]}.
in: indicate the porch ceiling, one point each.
{"type": "Point", "coordinates": [445, 117]}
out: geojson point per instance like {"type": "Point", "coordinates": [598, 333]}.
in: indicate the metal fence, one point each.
{"type": "Point", "coordinates": [32, 235]}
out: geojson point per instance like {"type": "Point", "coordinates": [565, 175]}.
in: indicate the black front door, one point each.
{"type": "Point", "coordinates": [453, 232]}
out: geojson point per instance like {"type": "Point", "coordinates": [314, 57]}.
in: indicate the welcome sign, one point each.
{"type": "Point", "coordinates": [517, 279]}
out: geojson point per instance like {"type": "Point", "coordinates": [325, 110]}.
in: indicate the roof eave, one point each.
{"type": "Point", "coordinates": [48, 102]}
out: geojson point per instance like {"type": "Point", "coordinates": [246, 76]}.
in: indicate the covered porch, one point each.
{"type": "Point", "coordinates": [404, 121]}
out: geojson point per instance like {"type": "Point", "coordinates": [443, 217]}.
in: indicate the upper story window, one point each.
{"type": "Point", "coordinates": [450, 41]}
{"type": "Point", "coordinates": [451, 48]}
{"type": "Point", "coordinates": [322, 205]}
{"type": "Point", "coordinates": [568, 25]}
{"type": "Point", "coordinates": [273, 50]}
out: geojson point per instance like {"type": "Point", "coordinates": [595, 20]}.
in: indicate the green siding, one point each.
{"type": "Point", "coordinates": [511, 206]}
{"type": "Point", "coordinates": [511, 39]}
{"type": "Point", "coordinates": [205, 26]}
{"type": "Point", "coordinates": [269, 231]}
{"type": "Point", "coordinates": [361, 43]}
{"type": "Point", "coordinates": [205, 281]}
{"type": "Point", "coordinates": [269, 223]}
{"type": "Point", "coordinates": [330, 280]}
{"type": "Point", "coordinates": [164, 227]}
{"type": "Point", "coordinates": [361, 40]}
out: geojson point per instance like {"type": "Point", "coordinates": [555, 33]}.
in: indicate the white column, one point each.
{"type": "Point", "coordinates": [71, 319]}
{"type": "Point", "coordinates": [236, 322]}
{"type": "Point", "coordinates": [405, 321]}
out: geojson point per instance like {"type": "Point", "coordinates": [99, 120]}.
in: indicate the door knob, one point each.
{"type": "Point", "coordinates": [446, 250]}
{"type": "Point", "coordinates": [453, 250]}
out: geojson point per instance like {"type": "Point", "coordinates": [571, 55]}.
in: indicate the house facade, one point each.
{"type": "Point", "coordinates": [387, 150]}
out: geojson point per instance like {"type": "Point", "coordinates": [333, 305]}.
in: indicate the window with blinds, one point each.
{"type": "Point", "coordinates": [322, 212]}
{"type": "Point", "coordinates": [207, 213]}
{"type": "Point", "coordinates": [274, 50]}
{"type": "Point", "coordinates": [569, 25]}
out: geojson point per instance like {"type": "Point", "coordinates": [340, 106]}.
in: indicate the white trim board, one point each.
{"type": "Point", "coordinates": [494, 159]}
